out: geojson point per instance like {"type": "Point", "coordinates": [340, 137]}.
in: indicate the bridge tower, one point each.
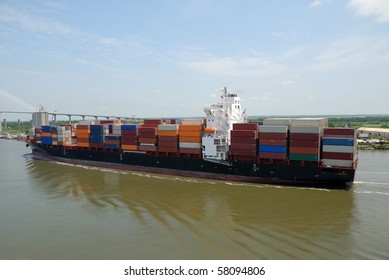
{"type": "Point", "coordinates": [40, 118]}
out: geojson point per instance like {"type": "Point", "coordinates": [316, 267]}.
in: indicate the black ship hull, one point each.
{"type": "Point", "coordinates": [254, 172]}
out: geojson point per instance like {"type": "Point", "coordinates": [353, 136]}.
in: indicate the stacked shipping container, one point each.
{"type": "Point", "coordinates": [305, 136]}
{"type": "Point", "coordinates": [339, 147]}
{"type": "Point", "coordinates": [96, 136]}
{"type": "Point", "coordinates": [64, 135]}
{"type": "Point", "coordinates": [168, 138]}
{"type": "Point", "coordinates": [46, 137]}
{"type": "Point", "coordinates": [190, 138]}
{"type": "Point", "coordinates": [129, 133]}
{"type": "Point", "coordinates": [83, 135]}
{"type": "Point", "coordinates": [244, 141]}
{"type": "Point", "coordinates": [112, 142]}
{"type": "Point", "coordinates": [38, 135]}
{"type": "Point", "coordinates": [148, 139]}
{"type": "Point", "coordinates": [273, 141]}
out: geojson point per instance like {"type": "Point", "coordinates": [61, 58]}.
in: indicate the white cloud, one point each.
{"type": "Point", "coordinates": [316, 3]}
{"type": "Point", "coordinates": [353, 53]}
{"type": "Point", "coordinates": [288, 82]}
{"type": "Point", "coordinates": [254, 65]}
{"type": "Point", "coordinates": [376, 8]}
{"type": "Point", "coordinates": [31, 22]}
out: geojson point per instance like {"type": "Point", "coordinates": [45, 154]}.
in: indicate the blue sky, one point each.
{"type": "Point", "coordinates": [169, 58]}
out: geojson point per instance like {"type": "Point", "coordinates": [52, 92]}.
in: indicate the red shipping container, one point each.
{"type": "Point", "coordinates": [272, 135]}
{"type": "Point", "coordinates": [148, 148]}
{"type": "Point", "coordinates": [147, 129]}
{"type": "Point", "coordinates": [244, 133]}
{"type": "Point", "coordinates": [167, 144]}
{"type": "Point", "coordinates": [129, 132]}
{"type": "Point", "coordinates": [167, 138]}
{"type": "Point", "coordinates": [305, 136]}
{"type": "Point", "coordinates": [242, 146]}
{"type": "Point", "coordinates": [129, 137]}
{"type": "Point", "coordinates": [168, 149]}
{"type": "Point", "coordinates": [329, 131]}
{"type": "Point", "coordinates": [245, 126]}
{"type": "Point", "coordinates": [248, 140]}
{"type": "Point", "coordinates": [147, 140]}
{"type": "Point", "coordinates": [272, 155]}
{"type": "Point", "coordinates": [272, 142]}
{"type": "Point", "coordinates": [129, 141]}
{"type": "Point", "coordinates": [341, 156]}
{"type": "Point", "coordinates": [153, 121]}
{"type": "Point", "coordinates": [243, 152]}
{"type": "Point", "coordinates": [147, 134]}
{"type": "Point", "coordinates": [192, 151]}
{"type": "Point", "coordinates": [304, 143]}
{"type": "Point", "coordinates": [304, 150]}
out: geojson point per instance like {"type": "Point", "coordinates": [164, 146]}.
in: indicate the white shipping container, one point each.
{"type": "Point", "coordinates": [273, 129]}
{"type": "Point", "coordinates": [339, 149]}
{"type": "Point", "coordinates": [277, 121]}
{"type": "Point", "coordinates": [55, 142]}
{"type": "Point", "coordinates": [170, 127]}
{"type": "Point", "coordinates": [190, 145]}
{"type": "Point", "coordinates": [306, 129]}
{"type": "Point", "coordinates": [337, 162]}
{"type": "Point", "coordinates": [323, 122]}
{"type": "Point", "coordinates": [192, 121]}
{"type": "Point", "coordinates": [147, 144]}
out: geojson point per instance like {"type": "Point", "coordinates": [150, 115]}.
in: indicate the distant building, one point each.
{"type": "Point", "coordinates": [364, 132]}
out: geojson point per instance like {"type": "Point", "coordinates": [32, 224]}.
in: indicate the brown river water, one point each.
{"type": "Point", "coordinates": [58, 211]}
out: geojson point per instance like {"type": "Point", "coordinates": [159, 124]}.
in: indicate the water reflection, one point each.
{"type": "Point", "coordinates": [210, 219]}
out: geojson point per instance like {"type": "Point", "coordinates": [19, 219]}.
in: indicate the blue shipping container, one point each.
{"type": "Point", "coordinates": [96, 127]}
{"type": "Point", "coordinates": [47, 140]}
{"type": "Point", "coordinates": [48, 128]}
{"type": "Point", "coordinates": [129, 127]}
{"type": "Point", "coordinates": [338, 141]}
{"type": "Point", "coordinates": [112, 146]}
{"type": "Point", "coordinates": [96, 140]}
{"type": "Point", "coordinates": [272, 149]}
{"type": "Point", "coordinates": [112, 137]}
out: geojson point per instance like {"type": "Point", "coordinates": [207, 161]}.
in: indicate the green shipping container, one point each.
{"type": "Point", "coordinates": [304, 157]}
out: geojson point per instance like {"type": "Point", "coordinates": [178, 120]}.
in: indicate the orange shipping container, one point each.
{"type": "Point", "coordinates": [193, 139]}
{"type": "Point", "coordinates": [192, 133]}
{"type": "Point", "coordinates": [167, 132]}
{"type": "Point", "coordinates": [190, 127]}
{"type": "Point", "coordinates": [147, 140]}
{"type": "Point", "coordinates": [112, 142]}
{"type": "Point", "coordinates": [81, 139]}
{"type": "Point", "coordinates": [130, 147]}
{"type": "Point", "coordinates": [82, 144]}
{"type": "Point", "coordinates": [304, 150]}
{"type": "Point", "coordinates": [83, 135]}
{"type": "Point", "coordinates": [82, 131]}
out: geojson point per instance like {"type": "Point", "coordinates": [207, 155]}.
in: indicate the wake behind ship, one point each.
{"type": "Point", "coordinates": [223, 145]}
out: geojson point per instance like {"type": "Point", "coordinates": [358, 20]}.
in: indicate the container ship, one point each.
{"type": "Point", "coordinates": [222, 145]}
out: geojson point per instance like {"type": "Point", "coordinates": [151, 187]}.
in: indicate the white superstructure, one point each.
{"type": "Point", "coordinates": [219, 120]}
